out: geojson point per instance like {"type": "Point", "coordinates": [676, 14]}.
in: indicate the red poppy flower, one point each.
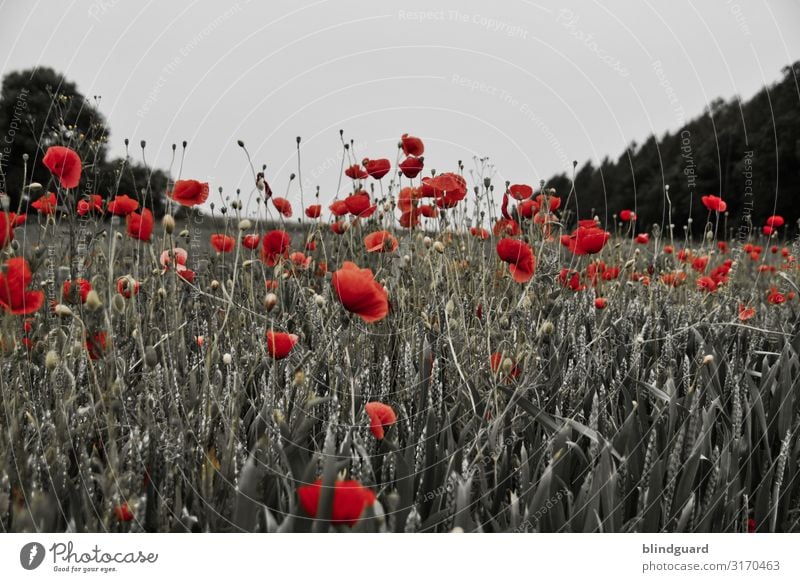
{"type": "Point", "coordinates": [358, 204]}
{"type": "Point", "coordinates": [339, 227]}
{"type": "Point", "coordinates": [127, 286]}
{"type": "Point", "coordinates": [412, 146]}
{"type": "Point", "coordinates": [311, 245]}
{"type": "Point", "coordinates": [381, 416]}
{"type": "Point", "coordinates": [627, 215]}
{"type": "Point", "coordinates": [360, 293]}
{"type": "Point", "coordinates": [643, 238]}
{"type": "Point", "coordinates": [746, 312]}
{"type": "Point", "coordinates": [412, 166]}
{"type": "Point", "coordinates": [571, 280]}
{"type": "Point", "coordinates": [409, 219]}
{"type": "Point", "coordinates": [338, 208]}
{"type": "Point", "coordinates": [408, 198]}
{"type": "Point", "coordinates": [223, 243]}
{"type": "Point", "coordinates": [377, 168]}
{"type": "Point", "coordinates": [520, 258]}
{"type": "Point", "coordinates": [722, 246]}
{"type": "Point", "coordinates": [46, 204]}
{"type": "Point", "coordinates": [280, 343]}
{"type": "Point", "coordinates": [14, 296]}
{"type": "Point", "coordinates": [283, 206]}
{"type": "Point", "coordinates": [180, 257]}
{"type": "Point", "coordinates": [189, 192]}
{"type": "Point", "coordinates": [479, 232]}
{"type": "Point", "coordinates": [96, 344]}
{"type": "Point", "coordinates": [64, 164]}
{"type": "Point", "coordinates": [123, 205]}
{"type": "Point", "coordinates": [81, 289]}
{"type": "Point", "coordinates": [350, 498]}
{"type": "Point", "coordinates": [380, 241]}
{"type": "Point", "coordinates": [250, 241]}
{"type": "Point", "coordinates": [776, 297]}
{"type": "Point", "coordinates": [449, 189]}
{"type": "Point", "coordinates": [314, 211]}
{"type": "Point", "coordinates": [428, 211]}
{"type": "Point", "coordinates": [275, 244]}
{"type": "Point", "coordinates": [140, 226]}
{"type": "Point", "coordinates": [714, 203]}
{"type": "Point", "coordinates": [775, 221]}
{"type": "Point", "coordinates": [356, 172]}
{"type": "Point", "coordinates": [496, 362]}
{"type": "Point", "coordinates": [554, 202]}
{"type": "Point", "coordinates": [506, 227]}
{"type": "Point", "coordinates": [700, 264]}
{"type": "Point", "coordinates": [767, 230]}
{"type": "Point", "coordinates": [8, 220]}
{"type": "Point", "coordinates": [586, 240]}
{"type": "Point", "coordinates": [707, 284]}
{"type": "Point", "coordinates": [674, 279]}
{"type": "Point", "coordinates": [600, 303]}
{"type": "Point", "coordinates": [520, 191]}
{"type": "Point", "coordinates": [94, 203]}
{"type": "Point", "coordinates": [527, 208]}
{"type": "Point", "coordinates": [668, 249]}
{"type": "Point", "coordinates": [298, 259]}
{"type": "Point", "coordinates": [123, 512]}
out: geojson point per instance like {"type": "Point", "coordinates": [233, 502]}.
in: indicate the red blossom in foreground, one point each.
{"type": "Point", "coordinates": [714, 203]}
{"type": "Point", "coordinates": [520, 258]}
{"type": "Point", "coordinates": [280, 343]}
{"type": "Point", "coordinates": [122, 205]}
{"type": "Point", "coordinates": [600, 303]}
{"type": "Point", "coordinates": [377, 169]}
{"type": "Point", "coordinates": [275, 245]}
{"type": "Point", "coordinates": [140, 226]}
{"type": "Point", "coordinates": [381, 416]}
{"type": "Point", "coordinates": [642, 238]}
{"type": "Point", "coordinates": [776, 297]}
{"type": "Point", "coordinates": [14, 281]}
{"type": "Point", "coordinates": [46, 204]}
{"type": "Point", "coordinates": [338, 208]}
{"type": "Point", "coordinates": [127, 286]}
{"type": "Point", "coordinates": [506, 227]}
{"type": "Point", "coordinates": [314, 211]}
{"type": "Point", "coordinates": [775, 221]}
{"type": "Point", "coordinates": [189, 192]}
{"type": "Point", "coordinates": [746, 312]}
{"type": "Point", "coordinates": [350, 498]}
{"type": "Point", "coordinates": [587, 239]}
{"type": "Point", "coordinates": [707, 284]}
{"type": "Point", "coordinates": [360, 293]}
{"type": "Point", "coordinates": [64, 164]}
{"type": "Point", "coordinates": [223, 243]}
{"type": "Point", "coordinates": [380, 241]}
{"type": "Point", "coordinates": [359, 204]}
{"type": "Point", "coordinates": [355, 172]}
{"type": "Point", "coordinates": [627, 215]}
{"type": "Point", "coordinates": [412, 146]}
{"type": "Point", "coordinates": [9, 220]}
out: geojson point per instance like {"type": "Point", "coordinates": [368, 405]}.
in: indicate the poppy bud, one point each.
{"type": "Point", "coordinates": [708, 359]}
{"type": "Point", "coordinates": [245, 224]}
{"type": "Point", "coordinates": [299, 377]}
{"type": "Point", "coordinates": [438, 246]}
{"type": "Point", "coordinates": [169, 223]}
{"type": "Point", "coordinates": [247, 264]}
{"type": "Point", "coordinates": [184, 233]}
{"type": "Point", "coordinates": [406, 260]}
{"type": "Point", "coordinates": [427, 242]}
{"type": "Point", "coordinates": [507, 365]}
{"type": "Point", "coordinates": [51, 360]}
{"type": "Point", "coordinates": [546, 328]}
{"type": "Point", "coordinates": [449, 307]}
{"type": "Point", "coordinates": [150, 357]}
{"type": "Point", "coordinates": [214, 285]}
{"type": "Point", "coordinates": [118, 303]}
{"type": "Point", "coordinates": [118, 235]}
{"type": "Point", "coordinates": [62, 310]}
{"type": "Point", "coordinates": [162, 292]}
{"type": "Point", "coordinates": [93, 302]}
{"type": "Point", "coordinates": [227, 359]}
{"type": "Point", "coordinates": [270, 301]}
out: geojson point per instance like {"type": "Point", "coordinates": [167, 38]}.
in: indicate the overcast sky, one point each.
{"type": "Point", "coordinates": [532, 85]}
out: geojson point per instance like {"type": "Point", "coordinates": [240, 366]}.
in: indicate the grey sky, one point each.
{"type": "Point", "coordinates": [533, 85]}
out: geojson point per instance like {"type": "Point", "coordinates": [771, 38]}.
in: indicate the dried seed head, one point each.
{"type": "Point", "coordinates": [547, 328]}
{"type": "Point", "coordinates": [169, 223]}
{"type": "Point", "coordinates": [214, 285]}
{"type": "Point", "coordinates": [438, 246]}
{"type": "Point", "coordinates": [708, 359]}
{"type": "Point", "coordinates": [270, 301]}
{"type": "Point", "coordinates": [507, 365]}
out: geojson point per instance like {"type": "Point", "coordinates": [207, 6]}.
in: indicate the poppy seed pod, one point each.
{"type": "Point", "coordinates": [93, 302]}
{"type": "Point", "coordinates": [708, 359]}
{"type": "Point", "coordinates": [427, 242]}
{"type": "Point", "coordinates": [214, 285]}
{"type": "Point", "coordinates": [438, 246]}
{"type": "Point", "coordinates": [62, 310]}
{"type": "Point", "coordinates": [245, 224]}
{"type": "Point", "coordinates": [169, 223]}
{"type": "Point", "coordinates": [227, 359]}
{"type": "Point", "coordinates": [270, 301]}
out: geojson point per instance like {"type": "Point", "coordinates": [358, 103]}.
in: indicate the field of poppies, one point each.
{"type": "Point", "coordinates": [430, 352]}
